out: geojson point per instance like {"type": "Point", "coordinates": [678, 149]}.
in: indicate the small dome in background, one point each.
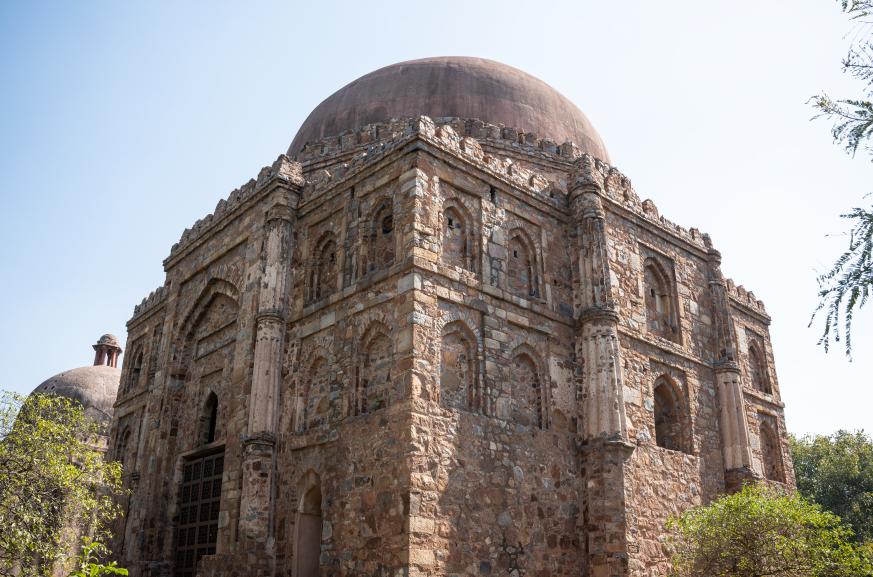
{"type": "Point", "coordinates": [96, 387]}
{"type": "Point", "coordinates": [110, 340]}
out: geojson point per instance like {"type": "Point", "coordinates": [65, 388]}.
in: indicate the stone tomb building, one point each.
{"type": "Point", "coordinates": [441, 336]}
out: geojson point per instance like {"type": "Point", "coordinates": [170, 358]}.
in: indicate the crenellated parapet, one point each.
{"type": "Point", "coordinates": [398, 128]}
{"type": "Point", "coordinates": [155, 298]}
{"type": "Point", "coordinates": [283, 170]}
{"type": "Point", "coordinates": [744, 297]}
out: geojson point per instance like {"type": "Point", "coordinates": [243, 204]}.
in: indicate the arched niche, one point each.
{"type": "Point", "coordinates": [325, 268]}
{"type": "Point", "coordinates": [307, 528]}
{"type": "Point", "coordinates": [381, 246]}
{"type": "Point", "coordinates": [758, 369]}
{"type": "Point", "coordinates": [521, 266]}
{"type": "Point", "coordinates": [661, 319]}
{"type": "Point", "coordinates": [529, 404]}
{"type": "Point", "coordinates": [458, 377]}
{"type": "Point", "coordinates": [771, 454]}
{"type": "Point", "coordinates": [122, 450]}
{"type": "Point", "coordinates": [135, 371]}
{"type": "Point", "coordinates": [316, 392]}
{"type": "Point", "coordinates": [456, 237]}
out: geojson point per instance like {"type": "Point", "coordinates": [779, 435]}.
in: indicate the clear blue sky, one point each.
{"type": "Point", "coordinates": [123, 123]}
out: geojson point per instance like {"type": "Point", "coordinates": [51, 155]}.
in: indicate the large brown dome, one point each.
{"type": "Point", "coordinates": [452, 86]}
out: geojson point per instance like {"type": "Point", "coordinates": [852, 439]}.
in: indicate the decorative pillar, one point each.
{"type": "Point", "coordinates": [602, 411]}
{"type": "Point", "coordinates": [258, 473]}
{"type": "Point", "coordinates": [734, 422]}
{"type": "Point", "coordinates": [607, 530]}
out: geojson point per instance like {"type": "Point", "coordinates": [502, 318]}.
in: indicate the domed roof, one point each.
{"type": "Point", "coordinates": [94, 388]}
{"type": "Point", "coordinates": [452, 86]}
{"type": "Point", "coordinates": [110, 340]}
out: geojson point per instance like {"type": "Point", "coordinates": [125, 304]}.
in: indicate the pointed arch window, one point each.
{"type": "Point", "coordinates": [528, 403]}
{"type": "Point", "coordinates": [122, 448]}
{"type": "Point", "coordinates": [771, 454]}
{"type": "Point", "coordinates": [382, 243]}
{"type": "Point", "coordinates": [308, 530]}
{"type": "Point", "coordinates": [661, 319]}
{"type": "Point", "coordinates": [757, 369]}
{"type": "Point", "coordinates": [209, 420]}
{"type": "Point", "coordinates": [458, 379]}
{"type": "Point", "coordinates": [373, 381]}
{"type": "Point", "coordinates": [325, 272]}
{"type": "Point", "coordinates": [135, 371]}
{"type": "Point", "coordinates": [668, 422]}
{"type": "Point", "coordinates": [316, 392]}
{"type": "Point", "coordinates": [456, 239]}
{"type": "Point", "coordinates": [520, 269]}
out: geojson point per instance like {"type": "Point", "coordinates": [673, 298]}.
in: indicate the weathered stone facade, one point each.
{"type": "Point", "coordinates": [438, 347]}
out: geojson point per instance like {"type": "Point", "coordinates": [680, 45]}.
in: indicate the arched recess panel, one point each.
{"type": "Point", "coordinates": [381, 249]}
{"type": "Point", "coordinates": [376, 373]}
{"type": "Point", "coordinates": [526, 402]}
{"type": "Point", "coordinates": [661, 318]}
{"type": "Point", "coordinates": [668, 424]}
{"type": "Point", "coordinates": [771, 454]}
{"type": "Point", "coordinates": [521, 276]}
{"type": "Point", "coordinates": [325, 269]}
{"type": "Point", "coordinates": [316, 391]}
{"type": "Point", "coordinates": [307, 538]}
{"type": "Point", "coordinates": [207, 362]}
{"type": "Point", "coordinates": [457, 368]}
{"type": "Point", "coordinates": [456, 238]}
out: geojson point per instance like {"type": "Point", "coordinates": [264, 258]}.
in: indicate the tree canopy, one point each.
{"type": "Point", "coordinates": [54, 484]}
{"type": "Point", "coordinates": [764, 531]}
{"type": "Point", "coordinates": [836, 471]}
{"type": "Point", "coordinates": [846, 287]}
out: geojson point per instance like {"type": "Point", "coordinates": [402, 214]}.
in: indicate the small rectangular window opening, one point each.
{"type": "Point", "coordinates": [332, 257]}
{"type": "Point", "coordinates": [493, 195]}
{"type": "Point", "coordinates": [451, 223]}
{"type": "Point", "coordinates": [515, 253]}
{"type": "Point", "coordinates": [388, 225]}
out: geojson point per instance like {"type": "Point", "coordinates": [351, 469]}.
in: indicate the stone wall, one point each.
{"type": "Point", "coordinates": [442, 348]}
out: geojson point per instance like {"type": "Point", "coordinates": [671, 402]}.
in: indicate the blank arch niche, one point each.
{"type": "Point", "coordinates": [324, 275]}
{"type": "Point", "coordinates": [456, 238]}
{"type": "Point", "coordinates": [661, 318]}
{"type": "Point", "coordinates": [521, 266]}
{"type": "Point", "coordinates": [770, 454]}
{"type": "Point", "coordinates": [668, 416]}
{"type": "Point", "coordinates": [757, 369]}
{"type": "Point", "coordinates": [457, 368]}
{"type": "Point", "coordinates": [307, 538]}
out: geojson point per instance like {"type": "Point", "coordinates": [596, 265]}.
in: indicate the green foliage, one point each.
{"type": "Point", "coordinates": [853, 118]}
{"type": "Point", "coordinates": [53, 484]}
{"type": "Point", "coordinates": [764, 531]}
{"type": "Point", "coordinates": [836, 472]}
{"type": "Point", "coordinates": [88, 561]}
{"type": "Point", "coordinates": [847, 285]}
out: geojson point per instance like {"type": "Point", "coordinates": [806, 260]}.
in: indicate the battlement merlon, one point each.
{"type": "Point", "coordinates": [284, 173]}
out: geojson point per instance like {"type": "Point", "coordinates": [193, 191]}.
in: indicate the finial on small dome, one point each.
{"type": "Point", "coordinates": [108, 351]}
